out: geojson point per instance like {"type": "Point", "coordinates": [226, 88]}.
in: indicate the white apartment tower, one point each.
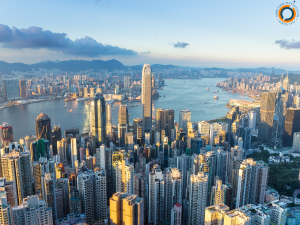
{"type": "Point", "coordinates": [173, 194]}
{"type": "Point", "coordinates": [198, 198]}
{"type": "Point", "coordinates": [156, 197]}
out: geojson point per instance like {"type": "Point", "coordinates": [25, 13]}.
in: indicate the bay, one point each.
{"type": "Point", "coordinates": [179, 94]}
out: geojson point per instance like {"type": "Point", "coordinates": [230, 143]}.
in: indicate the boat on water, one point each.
{"type": "Point", "coordinates": [207, 89]}
{"type": "Point", "coordinates": [214, 92]}
{"type": "Point", "coordinates": [164, 96]}
{"type": "Point", "coordinates": [205, 102]}
{"type": "Point", "coordinates": [65, 106]}
{"type": "Point", "coordinates": [216, 97]}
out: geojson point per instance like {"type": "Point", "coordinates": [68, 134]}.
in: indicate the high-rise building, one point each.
{"type": "Point", "coordinates": [40, 148]}
{"type": "Point", "coordinates": [125, 177]}
{"type": "Point", "coordinates": [129, 141]}
{"type": "Point", "coordinates": [123, 123]}
{"type": "Point", "coordinates": [126, 208]}
{"type": "Point", "coordinates": [16, 167]}
{"type": "Point", "coordinates": [146, 98]}
{"type": "Point", "coordinates": [215, 214]}
{"type": "Point", "coordinates": [43, 127]}
{"type": "Point", "coordinates": [48, 192]}
{"type": "Point", "coordinates": [296, 142]}
{"type": "Point", "coordinates": [249, 181]}
{"type": "Point", "coordinates": [9, 188]}
{"type": "Point", "coordinates": [5, 213]}
{"type": "Point", "coordinates": [174, 190]}
{"type": "Point", "coordinates": [213, 132]}
{"type": "Point", "coordinates": [136, 123]}
{"type": "Point", "coordinates": [74, 151]}
{"type": "Point", "coordinates": [100, 183]}
{"type": "Point", "coordinates": [236, 217]}
{"type": "Point", "coordinates": [6, 134]}
{"type": "Point", "coordinates": [218, 193]}
{"type": "Point", "coordinates": [62, 149]}
{"type": "Point", "coordinates": [203, 127]}
{"type": "Point", "coordinates": [164, 120]}
{"type": "Point", "coordinates": [292, 125]}
{"type": "Point", "coordinates": [126, 83]}
{"type": "Point", "coordinates": [156, 210]}
{"type": "Point", "coordinates": [56, 136]}
{"type": "Point", "coordinates": [286, 83]}
{"type": "Point", "coordinates": [108, 114]}
{"type": "Point", "coordinates": [184, 117]}
{"type": "Point", "coordinates": [22, 84]}
{"type": "Point", "coordinates": [11, 89]}
{"type": "Point", "coordinates": [32, 211]}
{"type": "Point", "coordinates": [176, 214]}
{"type": "Point", "coordinates": [85, 182]}
{"type": "Point", "coordinates": [267, 111]}
{"type": "Point", "coordinates": [98, 121]}
{"type": "Point", "coordinates": [198, 198]}
{"type": "Point", "coordinates": [252, 120]}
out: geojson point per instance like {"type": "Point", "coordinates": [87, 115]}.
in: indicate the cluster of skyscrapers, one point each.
{"type": "Point", "coordinates": [155, 171]}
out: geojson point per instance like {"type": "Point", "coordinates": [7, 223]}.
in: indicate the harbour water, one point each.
{"type": "Point", "coordinates": [179, 94]}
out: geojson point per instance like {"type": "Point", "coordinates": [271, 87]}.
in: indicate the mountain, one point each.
{"type": "Point", "coordinates": [71, 65]}
{"type": "Point", "coordinates": [154, 67]}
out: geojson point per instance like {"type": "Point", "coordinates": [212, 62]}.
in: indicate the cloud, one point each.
{"type": "Point", "coordinates": [37, 38]}
{"type": "Point", "coordinates": [144, 53]}
{"type": "Point", "coordinates": [288, 44]}
{"type": "Point", "coordinates": [180, 44]}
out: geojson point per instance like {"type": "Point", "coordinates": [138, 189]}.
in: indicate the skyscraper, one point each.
{"type": "Point", "coordinates": [252, 120]}
{"type": "Point", "coordinates": [126, 83]}
{"type": "Point", "coordinates": [11, 89]}
{"type": "Point", "coordinates": [98, 121]}
{"type": "Point", "coordinates": [22, 84]}
{"type": "Point", "coordinates": [55, 137]}
{"type": "Point", "coordinates": [126, 208]}
{"type": "Point", "coordinates": [85, 183]}
{"type": "Point", "coordinates": [100, 194]}
{"type": "Point", "coordinates": [267, 111]}
{"type": "Point", "coordinates": [6, 134]}
{"type": "Point", "coordinates": [16, 167]}
{"type": "Point", "coordinates": [146, 98]}
{"type": "Point", "coordinates": [292, 125]}
{"type": "Point", "coordinates": [32, 211]}
{"type": "Point", "coordinates": [218, 193]}
{"type": "Point", "coordinates": [197, 198]}
{"type": "Point", "coordinates": [108, 114]}
{"type": "Point", "coordinates": [184, 117]}
{"type": "Point", "coordinates": [123, 124]}
{"type": "Point", "coordinates": [176, 214]}
{"type": "Point", "coordinates": [164, 120]}
{"type": "Point", "coordinates": [39, 148]}
{"type": "Point", "coordinates": [43, 127]}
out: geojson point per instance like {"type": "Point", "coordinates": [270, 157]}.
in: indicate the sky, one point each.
{"type": "Point", "coordinates": [198, 33]}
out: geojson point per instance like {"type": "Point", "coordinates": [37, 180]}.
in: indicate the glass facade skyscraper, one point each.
{"type": "Point", "coordinates": [147, 98]}
{"type": "Point", "coordinates": [98, 121]}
